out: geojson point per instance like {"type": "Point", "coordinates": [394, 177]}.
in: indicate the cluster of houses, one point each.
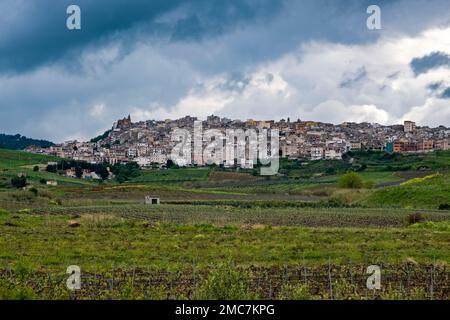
{"type": "Point", "coordinates": [149, 143]}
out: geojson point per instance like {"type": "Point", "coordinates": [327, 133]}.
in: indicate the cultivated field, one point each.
{"type": "Point", "coordinates": [221, 235]}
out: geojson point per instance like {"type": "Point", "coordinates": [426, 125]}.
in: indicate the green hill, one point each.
{"type": "Point", "coordinates": [19, 142]}
{"type": "Point", "coordinates": [427, 192]}
{"type": "Point", "coordinates": [14, 162]}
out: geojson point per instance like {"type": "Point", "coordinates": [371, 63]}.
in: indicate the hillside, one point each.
{"type": "Point", "coordinates": [428, 192]}
{"type": "Point", "coordinates": [14, 162]}
{"type": "Point", "coordinates": [19, 142]}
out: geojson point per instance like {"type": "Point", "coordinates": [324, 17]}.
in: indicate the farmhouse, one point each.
{"type": "Point", "coordinates": [152, 200]}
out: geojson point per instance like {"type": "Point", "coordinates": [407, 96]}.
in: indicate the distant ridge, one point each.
{"type": "Point", "coordinates": [19, 142]}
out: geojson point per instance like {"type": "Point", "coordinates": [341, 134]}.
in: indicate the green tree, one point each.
{"type": "Point", "coordinates": [19, 181]}
{"type": "Point", "coordinates": [102, 171]}
{"type": "Point", "coordinates": [51, 168]}
{"type": "Point", "coordinates": [351, 180]}
{"type": "Point", "coordinates": [170, 164]}
{"type": "Point", "coordinates": [78, 172]}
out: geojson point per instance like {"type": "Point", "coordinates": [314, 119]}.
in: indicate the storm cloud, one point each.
{"type": "Point", "coordinates": [245, 58]}
{"type": "Point", "coordinates": [429, 62]}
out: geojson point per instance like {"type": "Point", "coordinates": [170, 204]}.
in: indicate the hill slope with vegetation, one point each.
{"type": "Point", "coordinates": [432, 191]}
{"type": "Point", "coordinates": [19, 142]}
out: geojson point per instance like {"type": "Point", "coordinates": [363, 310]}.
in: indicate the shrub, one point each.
{"type": "Point", "coordinates": [36, 169]}
{"type": "Point", "coordinates": [444, 206]}
{"type": "Point", "coordinates": [34, 191]}
{"type": "Point", "coordinates": [350, 180]}
{"type": "Point", "coordinates": [226, 283]}
{"type": "Point", "coordinates": [415, 218]}
{"type": "Point", "coordinates": [295, 292]}
{"type": "Point", "coordinates": [19, 182]}
{"type": "Point", "coordinates": [43, 181]}
{"type": "Point", "coordinates": [16, 291]}
{"type": "Point", "coordinates": [369, 184]}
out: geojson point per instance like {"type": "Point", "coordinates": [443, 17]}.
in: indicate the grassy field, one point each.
{"type": "Point", "coordinates": [292, 236]}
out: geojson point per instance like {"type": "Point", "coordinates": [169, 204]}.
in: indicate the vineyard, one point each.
{"type": "Point", "coordinates": [335, 282]}
{"type": "Point", "coordinates": [221, 213]}
{"type": "Point", "coordinates": [219, 234]}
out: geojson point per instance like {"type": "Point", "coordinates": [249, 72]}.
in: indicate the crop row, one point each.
{"type": "Point", "coordinates": [228, 214]}
{"type": "Point", "coordinates": [324, 282]}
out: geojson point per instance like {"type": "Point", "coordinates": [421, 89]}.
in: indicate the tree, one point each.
{"type": "Point", "coordinates": [34, 191]}
{"type": "Point", "coordinates": [350, 180]}
{"type": "Point", "coordinates": [102, 171]}
{"type": "Point", "coordinates": [126, 172]}
{"type": "Point", "coordinates": [36, 169]}
{"type": "Point", "coordinates": [19, 181]}
{"type": "Point", "coordinates": [51, 168]}
{"type": "Point", "coordinates": [170, 164]}
{"type": "Point", "coordinates": [78, 172]}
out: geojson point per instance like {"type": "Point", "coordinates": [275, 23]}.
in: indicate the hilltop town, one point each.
{"type": "Point", "coordinates": [149, 142]}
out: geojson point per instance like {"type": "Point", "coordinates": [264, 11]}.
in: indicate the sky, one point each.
{"type": "Point", "coordinates": [260, 59]}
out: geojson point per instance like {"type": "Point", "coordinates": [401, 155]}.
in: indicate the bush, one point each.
{"type": "Point", "coordinates": [415, 218]}
{"type": "Point", "coordinates": [16, 291]}
{"type": "Point", "coordinates": [51, 168]}
{"type": "Point", "coordinates": [444, 206]}
{"type": "Point", "coordinates": [19, 182]}
{"type": "Point", "coordinates": [226, 283]}
{"type": "Point", "coordinates": [295, 292]}
{"type": "Point", "coordinates": [369, 184]}
{"type": "Point", "coordinates": [43, 181]}
{"type": "Point", "coordinates": [34, 191]}
{"type": "Point", "coordinates": [36, 169]}
{"type": "Point", "coordinates": [350, 180]}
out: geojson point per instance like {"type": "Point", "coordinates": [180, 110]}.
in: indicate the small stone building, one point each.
{"type": "Point", "coordinates": [151, 200]}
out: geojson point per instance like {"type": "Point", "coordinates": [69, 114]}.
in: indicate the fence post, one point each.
{"type": "Point", "coordinates": [330, 279]}
{"type": "Point", "coordinates": [111, 286]}
{"type": "Point", "coordinates": [133, 278]}
{"type": "Point", "coordinates": [352, 280]}
{"type": "Point", "coordinates": [170, 285]}
{"type": "Point", "coordinates": [408, 278]}
{"type": "Point", "coordinates": [149, 283]}
{"type": "Point", "coordinates": [95, 278]}
{"type": "Point", "coordinates": [305, 276]}
{"type": "Point", "coordinates": [50, 281]}
{"type": "Point", "coordinates": [194, 280]}
{"type": "Point", "coordinates": [270, 290]}
{"type": "Point", "coordinates": [432, 279]}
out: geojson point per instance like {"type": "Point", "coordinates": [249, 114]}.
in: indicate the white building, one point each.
{"type": "Point", "coordinates": [333, 155]}
{"type": "Point", "coordinates": [409, 126]}
{"type": "Point", "coordinates": [316, 153]}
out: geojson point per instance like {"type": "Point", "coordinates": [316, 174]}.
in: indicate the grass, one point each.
{"type": "Point", "coordinates": [110, 239]}
{"type": "Point", "coordinates": [14, 162]}
{"type": "Point", "coordinates": [427, 192]}
{"type": "Point", "coordinates": [209, 217]}
{"type": "Point", "coordinates": [173, 175]}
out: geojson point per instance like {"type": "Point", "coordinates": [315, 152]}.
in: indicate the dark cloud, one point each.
{"type": "Point", "coordinates": [429, 62]}
{"type": "Point", "coordinates": [434, 86]}
{"type": "Point", "coordinates": [38, 34]}
{"type": "Point", "coordinates": [51, 79]}
{"type": "Point", "coordinates": [446, 94]}
{"type": "Point", "coordinates": [351, 79]}
{"type": "Point", "coordinates": [236, 82]}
